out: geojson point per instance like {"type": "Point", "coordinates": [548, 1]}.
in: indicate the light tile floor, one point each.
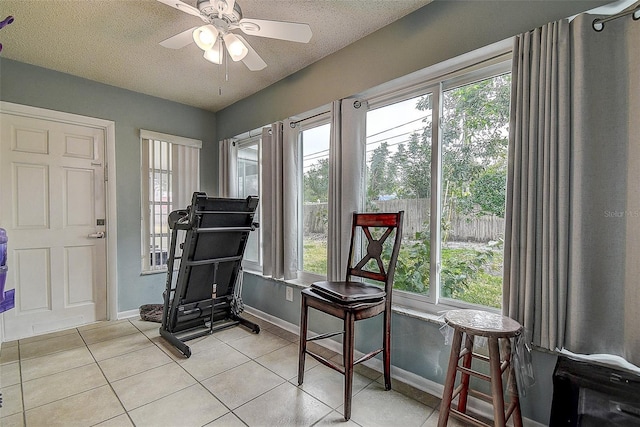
{"type": "Point", "coordinates": [124, 374]}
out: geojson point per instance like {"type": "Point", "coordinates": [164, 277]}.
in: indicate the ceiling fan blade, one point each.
{"type": "Point", "coordinates": [177, 4]}
{"type": "Point", "coordinates": [291, 31]}
{"type": "Point", "coordinates": [179, 40]}
{"type": "Point", "coordinates": [252, 60]}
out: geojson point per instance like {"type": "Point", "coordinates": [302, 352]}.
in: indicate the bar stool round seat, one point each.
{"type": "Point", "coordinates": [497, 329]}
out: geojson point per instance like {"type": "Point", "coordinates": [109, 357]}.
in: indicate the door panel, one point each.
{"type": "Point", "coordinates": [52, 200]}
{"type": "Point", "coordinates": [31, 207]}
{"type": "Point", "coordinates": [33, 279]}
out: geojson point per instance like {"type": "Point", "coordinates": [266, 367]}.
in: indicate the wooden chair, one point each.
{"type": "Point", "coordinates": [356, 300]}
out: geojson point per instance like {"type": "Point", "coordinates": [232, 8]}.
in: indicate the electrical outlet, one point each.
{"type": "Point", "coordinates": [289, 293]}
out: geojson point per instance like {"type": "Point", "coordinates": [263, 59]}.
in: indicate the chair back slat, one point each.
{"type": "Point", "coordinates": [384, 225]}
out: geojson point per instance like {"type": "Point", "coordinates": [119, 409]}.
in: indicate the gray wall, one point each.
{"type": "Point", "coordinates": [29, 85]}
{"type": "Point", "coordinates": [439, 31]}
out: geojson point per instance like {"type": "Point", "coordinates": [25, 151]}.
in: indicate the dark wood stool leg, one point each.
{"type": "Point", "coordinates": [347, 355]}
{"type": "Point", "coordinates": [386, 351]}
{"type": "Point", "coordinates": [303, 339]}
{"type": "Point", "coordinates": [496, 382]}
{"type": "Point", "coordinates": [464, 378]}
{"type": "Point", "coordinates": [450, 379]}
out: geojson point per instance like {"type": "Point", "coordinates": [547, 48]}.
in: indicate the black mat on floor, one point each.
{"type": "Point", "coordinates": [151, 312]}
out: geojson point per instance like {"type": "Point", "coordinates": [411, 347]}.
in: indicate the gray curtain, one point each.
{"type": "Point", "coordinates": [604, 274]}
{"type": "Point", "coordinates": [347, 166]}
{"type": "Point", "coordinates": [537, 233]}
{"type": "Point", "coordinates": [573, 205]}
{"type": "Point", "coordinates": [279, 213]}
{"type": "Point", "coordinates": [227, 169]}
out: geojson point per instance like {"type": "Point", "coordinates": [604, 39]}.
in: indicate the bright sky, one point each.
{"type": "Point", "coordinates": [392, 124]}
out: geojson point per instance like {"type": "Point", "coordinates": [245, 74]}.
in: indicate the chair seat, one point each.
{"type": "Point", "coordinates": [349, 292]}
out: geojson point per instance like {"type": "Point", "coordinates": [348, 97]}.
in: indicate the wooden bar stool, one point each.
{"type": "Point", "coordinates": [469, 324]}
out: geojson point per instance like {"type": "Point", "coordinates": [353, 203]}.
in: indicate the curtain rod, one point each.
{"type": "Point", "coordinates": [294, 123]}
{"type": "Point", "coordinates": [598, 23]}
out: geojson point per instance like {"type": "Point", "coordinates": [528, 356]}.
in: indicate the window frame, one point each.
{"type": "Point", "coordinates": [312, 120]}
{"type": "Point", "coordinates": [491, 61]}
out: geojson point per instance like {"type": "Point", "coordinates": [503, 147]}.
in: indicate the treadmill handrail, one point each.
{"type": "Point", "coordinates": [212, 260]}
{"type": "Point", "coordinates": [221, 229]}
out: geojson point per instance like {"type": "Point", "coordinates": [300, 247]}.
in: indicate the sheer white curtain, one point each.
{"type": "Point", "coordinates": [227, 169]}
{"type": "Point", "coordinates": [347, 173]}
{"type": "Point", "coordinates": [279, 207]}
{"type": "Point", "coordinates": [186, 172]}
{"type": "Point", "coordinates": [573, 201]}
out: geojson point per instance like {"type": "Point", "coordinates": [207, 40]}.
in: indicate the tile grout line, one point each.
{"type": "Point", "coordinates": [107, 380]}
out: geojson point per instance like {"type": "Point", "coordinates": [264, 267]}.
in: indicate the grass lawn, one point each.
{"type": "Point", "coordinates": [315, 256]}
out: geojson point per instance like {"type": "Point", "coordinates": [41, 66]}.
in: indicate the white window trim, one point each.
{"type": "Point", "coordinates": [173, 139]}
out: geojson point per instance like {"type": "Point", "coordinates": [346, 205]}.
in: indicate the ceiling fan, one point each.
{"type": "Point", "coordinates": [223, 16]}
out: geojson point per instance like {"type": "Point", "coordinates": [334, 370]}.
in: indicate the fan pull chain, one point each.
{"type": "Point", "coordinates": [226, 68]}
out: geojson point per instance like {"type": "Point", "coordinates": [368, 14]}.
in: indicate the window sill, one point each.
{"type": "Point", "coordinates": [437, 319]}
{"type": "Point", "coordinates": [432, 313]}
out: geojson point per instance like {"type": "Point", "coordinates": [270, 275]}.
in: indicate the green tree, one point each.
{"type": "Point", "coordinates": [316, 182]}
{"type": "Point", "coordinates": [474, 145]}
{"type": "Point", "coordinates": [398, 164]}
{"type": "Point", "coordinates": [380, 180]}
{"type": "Point", "coordinates": [418, 164]}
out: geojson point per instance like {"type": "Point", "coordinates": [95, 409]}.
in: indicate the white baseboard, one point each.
{"type": "Point", "coordinates": [435, 389]}
{"type": "Point", "coordinates": [128, 314]}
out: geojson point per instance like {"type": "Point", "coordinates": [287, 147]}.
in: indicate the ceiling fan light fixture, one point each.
{"type": "Point", "coordinates": [237, 50]}
{"type": "Point", "coordinates": [205, 36]}
{"type": "Point", "coordinates": [215, 54]}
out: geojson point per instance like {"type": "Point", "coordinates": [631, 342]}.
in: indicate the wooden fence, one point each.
{"type": "Point", "coordinates": [461, 228]}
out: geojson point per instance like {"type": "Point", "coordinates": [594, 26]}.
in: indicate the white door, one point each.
{"type": "Point", "coordinates": [52, 204]}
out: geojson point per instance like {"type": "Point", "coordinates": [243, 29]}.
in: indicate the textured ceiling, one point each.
{"type": "Point", "coordinates": [116, 42]}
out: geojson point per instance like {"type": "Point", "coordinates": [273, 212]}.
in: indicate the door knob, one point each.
{"type": "Point", "coordinates": [98, 235]}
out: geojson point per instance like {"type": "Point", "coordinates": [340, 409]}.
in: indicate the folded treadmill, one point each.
{"type": "Point", "coordinates": [208, 240]}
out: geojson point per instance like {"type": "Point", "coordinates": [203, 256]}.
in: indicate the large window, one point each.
{"type": "Point", "coordinates": [314, 150]}
{"type": "Point", "coordinates": [451, 182]}
{"type": "Point", "coordinates": [436, 148]}
{"type": "Point", "coordinates": [248, 168]}
{"type": "Point", "coordinates": [170, 175]}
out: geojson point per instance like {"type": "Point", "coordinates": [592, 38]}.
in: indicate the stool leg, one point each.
{"type": "Point", "coordinates": [450, 379]}
{"type": "Point", "coordinates": [303, 339]}
{"type": "Point", "coordinates": [496, 382]}
{"type": "Point", "coordinates": [464, 378]}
